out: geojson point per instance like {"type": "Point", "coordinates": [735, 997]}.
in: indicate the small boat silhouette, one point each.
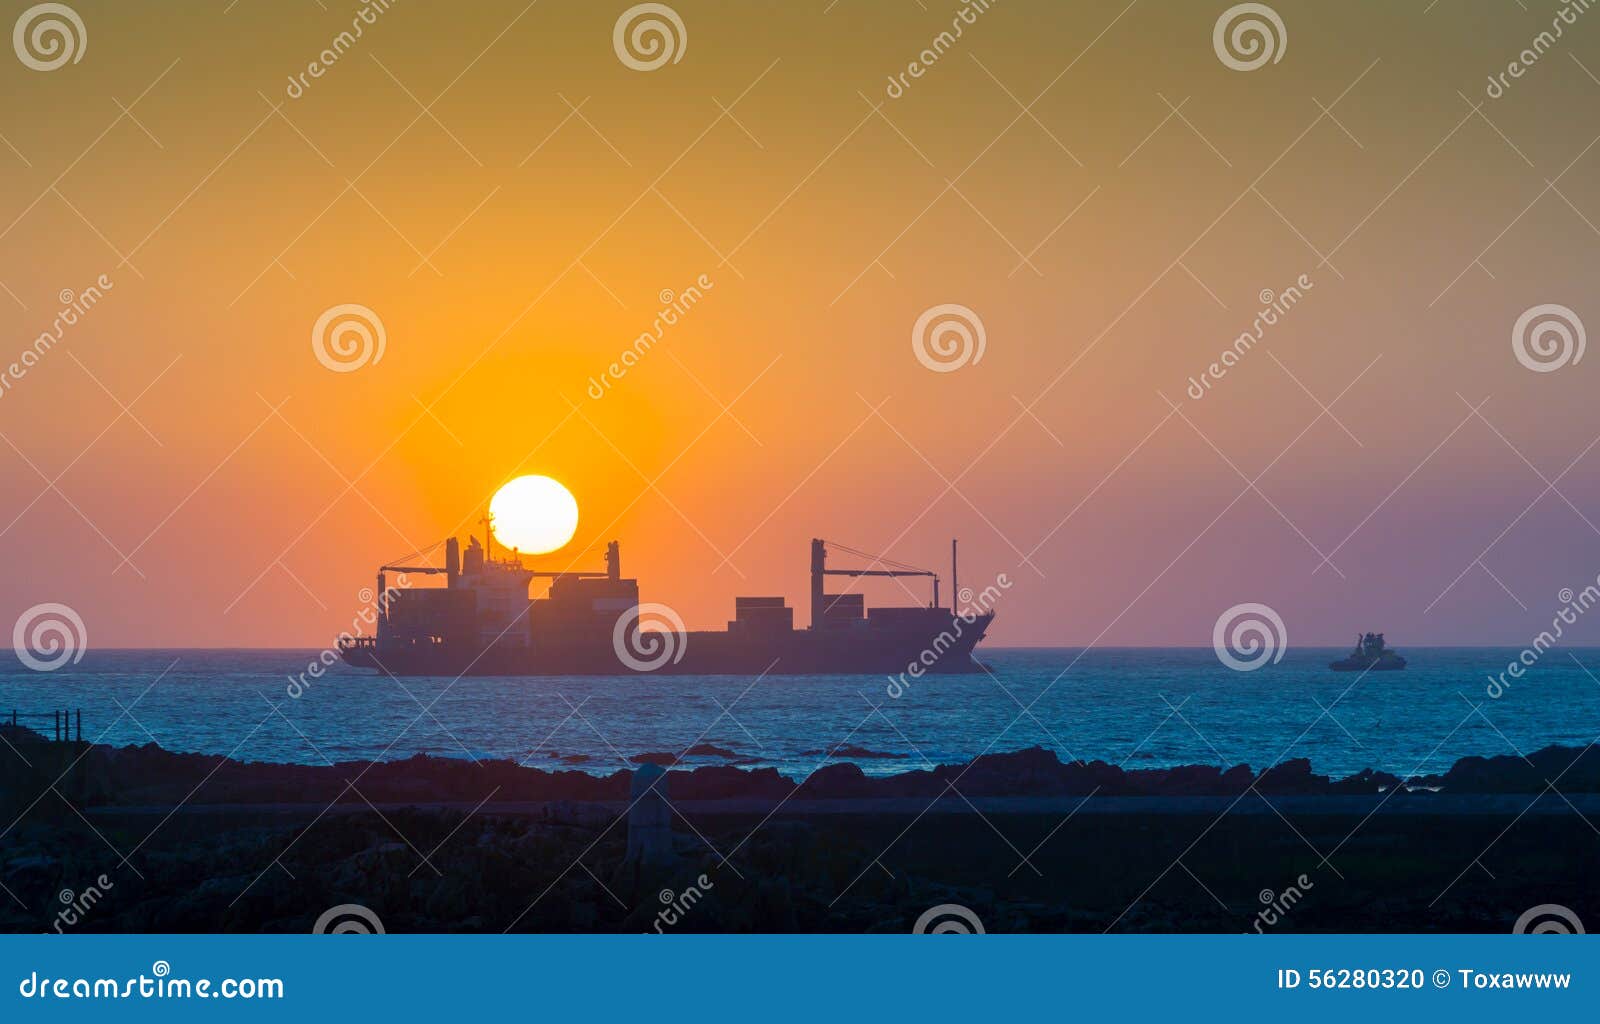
{"type": "Point", "coordinates": [1370, 655]}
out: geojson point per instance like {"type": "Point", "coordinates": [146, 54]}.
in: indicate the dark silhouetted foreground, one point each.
{"type": "Point", "coordinates": [443, 845]}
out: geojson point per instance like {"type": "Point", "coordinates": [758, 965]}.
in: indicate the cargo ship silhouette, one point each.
{"type": "Point", "coordinates": [1371, 654]}
{"type": "Point", "coordinates": [483, 622]}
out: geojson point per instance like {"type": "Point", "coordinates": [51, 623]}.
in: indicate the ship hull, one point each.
{"type": "Point", "coordinates": [946, 650]}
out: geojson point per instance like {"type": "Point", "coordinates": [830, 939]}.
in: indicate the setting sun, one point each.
{"type": "Point", "coordinates": [534, 514]}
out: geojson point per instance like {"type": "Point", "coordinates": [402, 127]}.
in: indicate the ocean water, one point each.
{"type": "Point", "coordinates": [1138, 708]}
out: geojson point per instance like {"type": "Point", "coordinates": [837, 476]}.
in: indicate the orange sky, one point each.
{"type": "Point", "coordinates": [513, 248]}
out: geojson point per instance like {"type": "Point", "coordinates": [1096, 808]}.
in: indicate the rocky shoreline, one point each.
{"type": "Point", "coordinates": [148, 775]}
{"type": "Point", "coordinates": [435, 844]}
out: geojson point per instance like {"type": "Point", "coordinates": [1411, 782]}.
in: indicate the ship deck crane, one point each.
{"type": "Point", "coordinates": [383, 582]}
{"type": "Point", "coordinates": [451, 566]}
{"type": "Point", "coordinates": [820, 571]}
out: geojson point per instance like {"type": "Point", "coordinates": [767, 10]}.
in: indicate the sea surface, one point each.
{"type": "Point", "coordinates": [1138, 708]}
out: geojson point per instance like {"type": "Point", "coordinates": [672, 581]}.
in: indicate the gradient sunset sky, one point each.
{"type": "Point", "coordinates": [512, 199]}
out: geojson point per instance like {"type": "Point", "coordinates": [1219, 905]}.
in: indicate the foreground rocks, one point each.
{"type": "Point", "coordinates": [424, 870]}
{"type": "Point", "coordinates": [194, 843]}
{"type": "Point", "coordinates": [148, 775]}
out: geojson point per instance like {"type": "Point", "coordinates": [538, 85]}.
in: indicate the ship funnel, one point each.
{"type": "Point", "coordinates": [452, 560]}
{"type": "Point", "coordinates": [613, 561]}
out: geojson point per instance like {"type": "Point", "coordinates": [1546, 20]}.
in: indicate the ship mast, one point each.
{"type": "Point", "coordinates": [955, 586]}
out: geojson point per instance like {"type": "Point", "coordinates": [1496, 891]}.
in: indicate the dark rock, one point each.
{"type": "Point", "coordinates": [836, 782]}
{"type": "Point", "coordinates": [725, 782]}
{"type": "Point", "coordinates": [1291, 776]}
{"type": "Point", "coordinates": [850, 750]}
{"type": "Point", "coordinates": [1366, 781]}
{"type": "Point", "coordinates": [148, 775]}
{"type": "Point", "coordinates": [709, 750]}
{"type": "Point", "coordinates": [1034, 771]}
